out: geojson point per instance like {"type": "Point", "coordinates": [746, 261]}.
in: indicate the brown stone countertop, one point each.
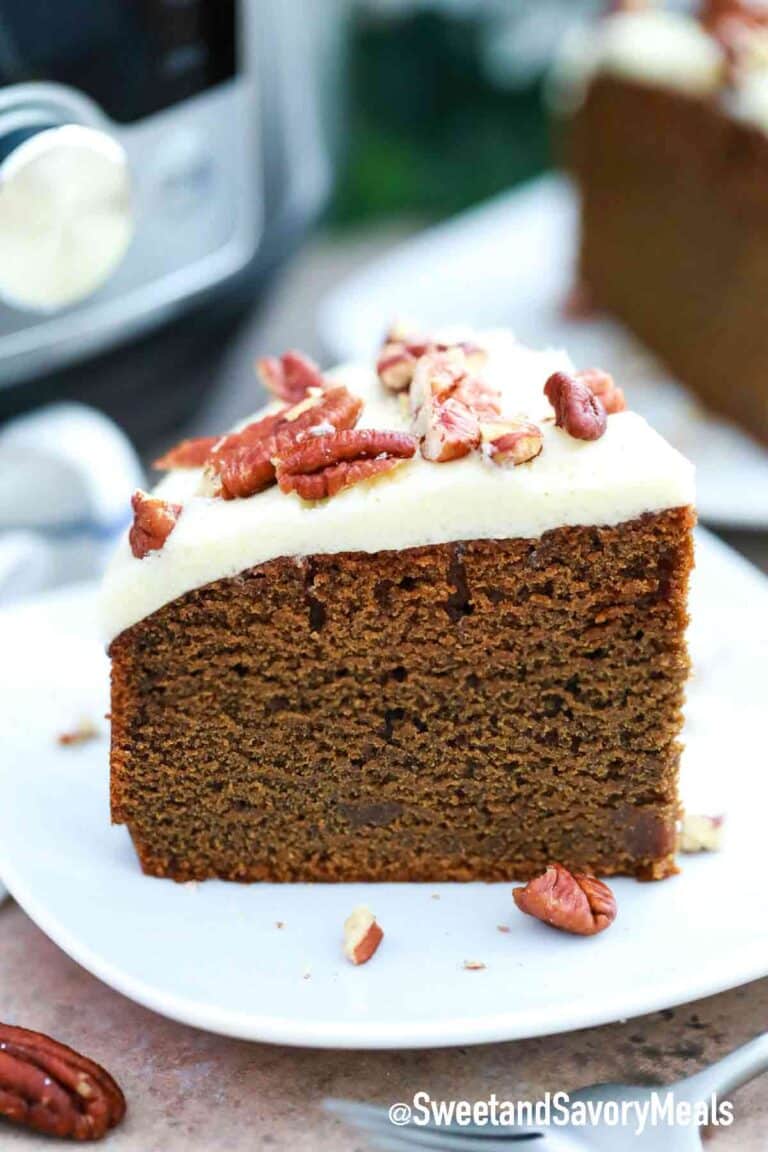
{"type": "Point", "coordinates": [189, 1091]}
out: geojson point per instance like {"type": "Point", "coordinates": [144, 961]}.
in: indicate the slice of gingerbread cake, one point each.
{"type": "Point", "coordinates": [422, 620]}
{"type": "Point", "coordinates": [667, 118]}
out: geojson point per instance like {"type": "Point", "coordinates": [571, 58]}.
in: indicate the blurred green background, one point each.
{"type": "Point", "coordinates": [446, 102]}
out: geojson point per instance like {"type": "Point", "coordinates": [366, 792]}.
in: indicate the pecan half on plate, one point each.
{"type": "Point", "coordinates": [573, 902]}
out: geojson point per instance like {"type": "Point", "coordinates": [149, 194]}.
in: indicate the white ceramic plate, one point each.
{"type": "Point", "coordinates": [212, 955]}
{"type": "Point", "coordinates": [510, 263]}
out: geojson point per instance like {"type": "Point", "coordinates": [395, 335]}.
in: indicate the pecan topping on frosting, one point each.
{"type": "Point", "coordinates": [153, 522]}
{"type": "Point", "coordinates": [395, 367]}
{"type": "Point", "coordinates": [601, 384]}
{"type": "Point", "coordinates": [511, 442]}
{"type": "Point", "coordinates": [310, 446]}
{"type": "Point", "coordinates": [289, 377]}
{"type": "Point", "coordinates": [451, 430]}
{"type": "Point", "coordinates": [243, 463]}
{"type": "Point", "coordinates": [447, 403]}
{"type": "Point", "coordinates": [436, 377]}
{"type": "Point", "coordinates": [577, 409]}
{"type": "Point", "coordinates": [402, 349]}
{"type": "Point", "coordinates": [187, 454]}
{"type": "Point", "coordinates": [295, 379]}
{"type": "Point", "coordinates": [320, 466]}
{"type": "Point", "coordinates": [243, 470]}
{"type": "Point", "coordinates": [477, 395]}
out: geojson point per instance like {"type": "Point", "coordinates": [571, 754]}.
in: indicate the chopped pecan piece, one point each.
{"type": "Point", "coordinates": [601, 384]}
{"type": "Point", "coordinates": [338, 407]}
{"type": "Point", "coordinates": [153, 522]}
{"type": "Point", "coordinates": [402, 349]}
{"type": "Point", "coordinates": [83, 732]}
{"type": "Point", "coordinates": [511, 441]}
{"type": "Point", "coordinates": [243, 471]}
{"type": "Point", "coordinates": [447, 405]}
{"type": "Point", "coordinates": [577, 410]}
{"type": "Point", "coordinates": [243, 463]}
{"type": "Point", "coordinates": [258, 432]}
{"type": "Point", "coordinates": [46, 1086]}
{"type": "Point", "coordinates": [187, 454]}
{"type": "Point", "coordinates": [741, 28]}
{"type": "Point", "coordinates": [572, 902]}
{"type": "Point", "coordinates": [321, 466]}
{"type": "Point", "coordinates": [700, 833]}
{"type": "Point", "coordinates": [446, 375]}
{"type": "Point", "coordinates": [475, 355]}
{"type": "Point", "coordinates": [395, 367]}
{"type": "Point", "coordinates": [362, 935]}
{"type": "Point", "coordinates": [291, 376]}
{"type": "Point", "coordinates": [310, 403]}
{"type": "Point", "coordinates": [450, 431]}
{"type": "Point", "coordinates": [435, 378]}
{"type": "Point", "coordinates": [477, 395]}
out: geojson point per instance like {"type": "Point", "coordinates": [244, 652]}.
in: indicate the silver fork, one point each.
{"type": "Point", "coordinates": [727, 1074]}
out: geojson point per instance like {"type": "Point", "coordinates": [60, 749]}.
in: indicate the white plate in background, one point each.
{"type": "Point", "coordinates": [509, 263]}
{"type": "Point", "coordinates": [211, 954]}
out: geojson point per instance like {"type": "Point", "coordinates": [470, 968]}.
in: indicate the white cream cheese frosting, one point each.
{"type": "Point", "coordinates": [629, 471]}
{"type": "Point", "coordinates": [748, 102]}
{"type": "Point", "coordinates": [655, 46]}
{"type": "Point", "coordinates": [663, 48]}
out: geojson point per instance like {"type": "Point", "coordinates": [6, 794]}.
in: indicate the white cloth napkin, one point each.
{"type": "Point", "coordinates": [66, 477]}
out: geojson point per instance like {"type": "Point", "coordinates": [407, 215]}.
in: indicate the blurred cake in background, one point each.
{"type": "Point", "coordinates": [667, 120]}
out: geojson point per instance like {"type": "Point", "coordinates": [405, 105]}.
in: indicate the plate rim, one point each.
{"type": "Point", "coordinates": [328, 1034]}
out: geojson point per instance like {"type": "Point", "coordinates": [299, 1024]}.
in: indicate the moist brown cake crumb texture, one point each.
{"type": "Point", "coordinates": [675, 235]}
{"type": "Point", "coordinates": [452, 712]}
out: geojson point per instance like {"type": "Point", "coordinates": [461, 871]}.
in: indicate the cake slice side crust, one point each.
{"type": "Point", "coordinates": [451, 712]}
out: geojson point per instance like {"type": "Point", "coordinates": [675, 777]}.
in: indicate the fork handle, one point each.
{"type": "Point", "coordinates": [731, 1072]}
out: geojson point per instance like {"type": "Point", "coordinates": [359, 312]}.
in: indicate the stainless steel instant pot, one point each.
{"type": "Point", "coordinates": [154, 155]}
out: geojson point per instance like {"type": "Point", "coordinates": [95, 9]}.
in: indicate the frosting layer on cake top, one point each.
{"type": "Point", "coordinates": [673, 50]}
{"type": "Point", "coordinates": [628, 471]}
{"type": "Point", "coordinates": [670, 49]}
